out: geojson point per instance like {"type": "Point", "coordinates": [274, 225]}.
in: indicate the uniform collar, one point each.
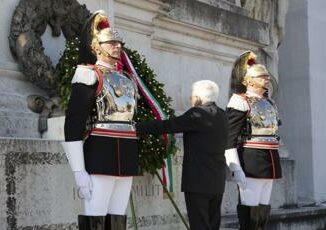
{"type": "Point", "coordinates": [106, 65]}
{"type": "Point", "coordinates": [253, 94]}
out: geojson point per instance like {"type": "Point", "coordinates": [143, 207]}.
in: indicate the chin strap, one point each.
{"type": "Point", "coordinates": [100, 50]}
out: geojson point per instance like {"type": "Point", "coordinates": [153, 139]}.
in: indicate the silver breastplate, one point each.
{"type": "Point", "coordinates": [263, 117]}
{"type": "Point", "coordinates": [117, 100]}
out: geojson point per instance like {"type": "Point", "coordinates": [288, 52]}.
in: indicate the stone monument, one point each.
{"type": "Point", "coordinates": [182, 40]}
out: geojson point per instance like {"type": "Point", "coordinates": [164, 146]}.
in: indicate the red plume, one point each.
{"type": "Point", "coordinates": [251, 61]}
{"type": "Point", "coordinates": [103, 24]}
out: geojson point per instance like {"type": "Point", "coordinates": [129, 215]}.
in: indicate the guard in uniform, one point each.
{"type": "Point", "coordinates": [252, 149]}
{"type": "Point", "coordinates": [100, 138]}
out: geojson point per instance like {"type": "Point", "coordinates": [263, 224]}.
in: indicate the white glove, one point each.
{"type": "Point", "coordinates": [84, 182]}
{"type": "Point", "coordinates": [233, 162]}
{"type": "Point", "coordinates": [240, 178]}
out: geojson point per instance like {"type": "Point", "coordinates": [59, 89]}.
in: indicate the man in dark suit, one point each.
{"type": "Point", "coordinates": [204, 128]}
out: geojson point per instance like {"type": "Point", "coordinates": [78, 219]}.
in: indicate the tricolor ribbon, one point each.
{"type": "Point", "coordinates": [158, 114]}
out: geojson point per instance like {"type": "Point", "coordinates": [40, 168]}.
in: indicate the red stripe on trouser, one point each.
{"type": "Point", "coordinates": [273, 166]}
{"type": "Point", "coordinates": [119, 156]}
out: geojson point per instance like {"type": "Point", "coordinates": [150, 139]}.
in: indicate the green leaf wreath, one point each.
{"type": "Point", "coordinates": [151, 148]}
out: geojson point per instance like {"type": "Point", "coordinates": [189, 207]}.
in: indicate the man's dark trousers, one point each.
{"type": "Point", "coordinates": [204, 210]}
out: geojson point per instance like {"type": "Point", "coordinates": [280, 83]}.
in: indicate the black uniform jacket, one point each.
{"type": "Point", "coordinates": [103, 155]}
{"type": "Point", "coordinates": [204, 137]}
{"type": "Point", "coordinates": [256, 163]}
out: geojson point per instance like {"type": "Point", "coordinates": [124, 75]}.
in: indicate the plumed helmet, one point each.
{"type": "Point", "coordinates": [101, 30]}
{"type": "Point", "coordinates": [96, 30]}
{"type": "Point", "coordinates": [246, 67]}
{"type": "Point", "coordinates": [239, 71]}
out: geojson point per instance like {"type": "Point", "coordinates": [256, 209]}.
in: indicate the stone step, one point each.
{"type": "Point", "coordinates": [295, 218]}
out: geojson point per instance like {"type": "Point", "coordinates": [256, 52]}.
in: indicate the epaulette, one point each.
{"type": "Point", "coordinates": [84, 74]}
{"type": "Point", "coordinates": [238, 102]}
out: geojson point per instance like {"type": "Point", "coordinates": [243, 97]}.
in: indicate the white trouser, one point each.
{"type": "Point", "coordinates": [257, 191]}
{"type": "Point", "coordinates": [110, 195]}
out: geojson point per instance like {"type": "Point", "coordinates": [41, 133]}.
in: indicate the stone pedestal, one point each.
{"type": "Point", "coordinates": [38, 190]}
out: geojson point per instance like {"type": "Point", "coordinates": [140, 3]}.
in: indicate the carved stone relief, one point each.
{"type": "Point", "coordinates": [29, 22]}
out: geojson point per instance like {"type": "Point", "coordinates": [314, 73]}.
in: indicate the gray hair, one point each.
{"type": "Point", "coordinates": [206, 90]}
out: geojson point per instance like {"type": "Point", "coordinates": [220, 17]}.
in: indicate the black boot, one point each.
{"type": "Point", "coordinates": [243, 216]}
{"type": "Point", "coordinates": [118, 222]}
{"type": "Point", "coordinates": [248, 217]}
{"type": "Point", "coordinates": [91, 222]}
{"type": "Point", "coordinates": [264, 213]}
{"type": "Point", "coordinates": [108, 222]}
{"type": "Point", "coordinates": [254, 217]}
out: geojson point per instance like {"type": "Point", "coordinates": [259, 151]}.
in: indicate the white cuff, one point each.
{"type": "Point", "coordinates": [232, 159]}
{"type": "Point", "coordinates": [75, 154]}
